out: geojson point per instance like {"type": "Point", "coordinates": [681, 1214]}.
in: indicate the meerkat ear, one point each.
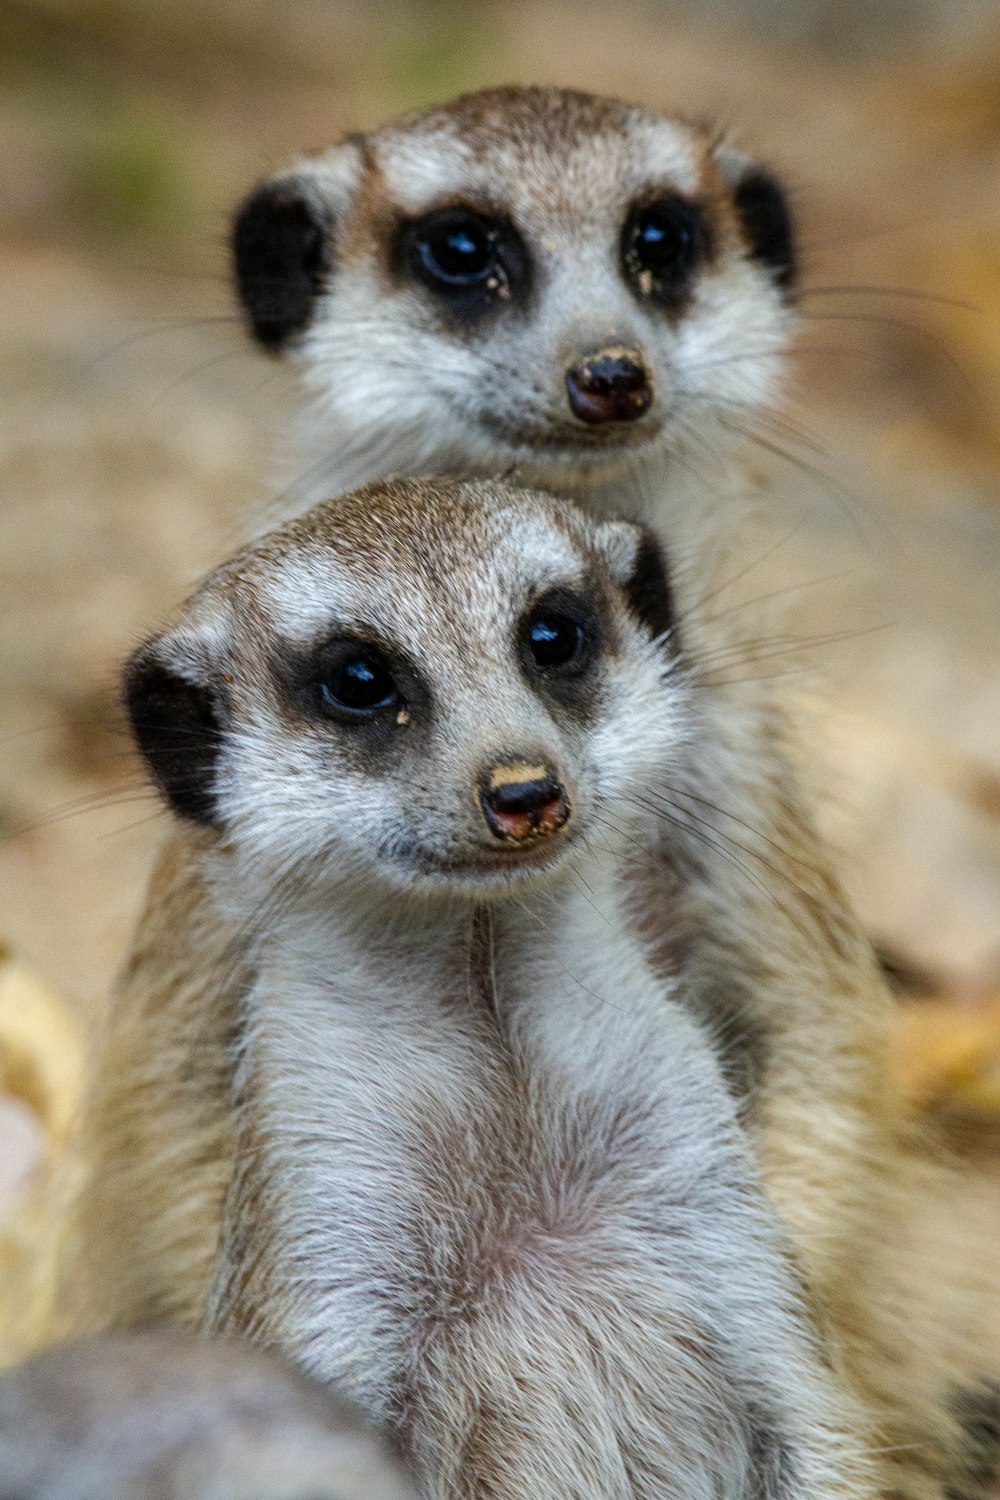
{"type": "Point", "coordinates": [177, 722]}
{"type": "Point", "coordinates": [282, 256]}
{"type": "Point", "coordinates": [762, 205]}
{"type": "Point", "coordinates": [282, 242]}
{"type": "Point", "coordinates": [638, 565]}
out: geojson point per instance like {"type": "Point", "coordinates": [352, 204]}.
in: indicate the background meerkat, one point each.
{"type": "Point", "coordinates": [431, 330]}
{"type": "Point", "coordinates": [490, 1179]}
{"type": "Point", "coordinates": [566, 287]}
{"type": "Point", "coordinates": [195, 1419]}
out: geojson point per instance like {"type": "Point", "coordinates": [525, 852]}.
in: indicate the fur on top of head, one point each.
{"type": "Point", "coordinates": [523, 276]}
{"type": "Point", "coordinates": [424, 684]}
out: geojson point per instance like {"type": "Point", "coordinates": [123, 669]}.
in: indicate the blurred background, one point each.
{"type": "Point", "coordinates": [138, 431]}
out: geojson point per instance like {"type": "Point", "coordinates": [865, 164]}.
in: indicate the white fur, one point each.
{"type": "Point", "coordinates": [590, 1300]}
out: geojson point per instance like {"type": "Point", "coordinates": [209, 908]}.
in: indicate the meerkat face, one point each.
{"type": "Point", "coordinates": [524, 278]}
{"type": "Point", "coordinates": [422, 685]}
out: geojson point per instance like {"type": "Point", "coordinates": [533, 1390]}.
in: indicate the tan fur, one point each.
{"type": "Point", "coordinates": [158, 1096]}
{"type": "Point", "coordinates": [767, 942]}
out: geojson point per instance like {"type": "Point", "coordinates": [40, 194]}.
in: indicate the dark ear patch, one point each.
{"type": "Point", "coordinates": [767, 222]}
{"type": "Point", "coordinates": [178, 731]}
{"type": "Point", "coordinates": [282, 252]}
{"type": "Point", "coordinates": [648, 591]}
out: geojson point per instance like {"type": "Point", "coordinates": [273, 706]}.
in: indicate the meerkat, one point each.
{"type": "Point", "coordinates": [490, 1178]}
{"type": "Point", "coordinates": [543, 282]}
{"type": "Point", "coordinates": [596, 298]}
{"type": "Point", "coordinates": [163, 1414]}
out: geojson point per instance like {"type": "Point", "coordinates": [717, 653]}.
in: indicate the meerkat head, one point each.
{"type": "Point", "coordinates": [424, 685]}
{"type": "Point", "coordinates": [524, 279]}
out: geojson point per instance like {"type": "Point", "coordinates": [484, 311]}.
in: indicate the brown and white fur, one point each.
{"type": "Point", "coordinates": [490, 1180]}
{"type": "Point", "coordinates": [405, 371]}
{"type": "Point", "coordinates": [748, 913]}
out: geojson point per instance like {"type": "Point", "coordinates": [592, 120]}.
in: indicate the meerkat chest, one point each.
{"type": "Point", "coordinates": [525, 1235]}
{"type": "Point", "coordinates": [440, 1165]}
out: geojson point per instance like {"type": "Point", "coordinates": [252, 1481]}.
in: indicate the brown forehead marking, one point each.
{"type": "Point", "coordinates": [426, 530]}
{"type": "Point", "coordinates": [565, 116]}
{"type": "Point", "coordinates": [429, 529]}
{"type": "Point", "coordinates": [373, 215]}
{"type": "Point", "coordinates": [717, 199]}
{"type": "Point", "coordinates": [432, 521]}
{"type": "Point", "coordinates": [520, 120]}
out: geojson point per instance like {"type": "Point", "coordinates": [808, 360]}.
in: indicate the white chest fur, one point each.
{"type": "Point", "coordinates": [502, 1200]}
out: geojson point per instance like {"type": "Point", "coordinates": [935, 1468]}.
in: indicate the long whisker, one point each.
{"type": "Point", "coordinates": [857, 290]}
{"type": "Point", "coordinates": [844, 497]}
{"type": "Point", "coordinates": [725, 812]}
{"type": "Point", "coordinates": [876, 357]}
{"type": "Point", "coordinates": [686, 817]}
{"type": "Point", "coordinates": [764, 648]}
{"type": "Point", "coordinates": [695, 827]}
{"type": "Point", "coordinates": [160, 330]}
{"type": "Point", "coordinates": [791, 588]}
{"type": "Point", "coordinates": [885, 320]}
{"type": "Point", "coordinates": [733, 578]}
{"type": "Point", "coordinates": [91, 802]}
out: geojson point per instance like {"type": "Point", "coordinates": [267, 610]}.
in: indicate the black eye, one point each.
{"type": "Point", "coordinates": [458, 250]}
{"type": "Point", "coordinates": [555, 640]}
{"type": "Point", "coordinates": [471, 261]}
{"type": "Point", "coordinates": [358, 686]}
{"type": "Point", "coordinates": [663, 244]}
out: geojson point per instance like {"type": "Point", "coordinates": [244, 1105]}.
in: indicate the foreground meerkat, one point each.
{"type": "Point", "coordinates": [489, 1175]}
{"type": "Point", "coordinates": [589, 294]}
{"type": "Point", "coordinates": [159, 1414]}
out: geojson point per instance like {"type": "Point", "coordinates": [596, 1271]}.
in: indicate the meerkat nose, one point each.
{"type": "Point", "coordinates": [522, 802]}
{"type": "Point", "coordinates": [612, 385]}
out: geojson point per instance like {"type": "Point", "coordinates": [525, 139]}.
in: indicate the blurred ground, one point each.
{"type": "Point", "coordinates": [137, 428]}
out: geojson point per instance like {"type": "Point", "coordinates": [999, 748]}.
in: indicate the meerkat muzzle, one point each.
{"type": "Point", "coordinates": [522, 802]}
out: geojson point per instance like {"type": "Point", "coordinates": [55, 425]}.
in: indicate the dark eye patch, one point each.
{"type": "Point", "coordinates": [459, 251]}
{"type": "Point", "coordinates": [473, 262]}
{"type": "Point", "coordinates": [358, 685]}
{"type": "Point", "coordinates": [559, 639]}
{"type": "Point", "coordinates": [361, 684]}
{"type": "Point", "coordinates": [664, 243]}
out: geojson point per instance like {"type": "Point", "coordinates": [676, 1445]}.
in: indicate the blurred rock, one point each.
{"type": "Point", "coordinates": [160, 1414]}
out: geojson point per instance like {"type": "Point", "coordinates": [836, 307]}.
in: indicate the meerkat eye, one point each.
{"type": "Point", "coordinates": [663, 244]}
{"type": "Point", "coordinates": [356, 684]}
{"type": "Point", "coordinates": [559, 636]}
{"type": "Point", "coordinates": [555, 640]}
{"type": "Point", "coordinates": [468, 259]}
{"type": "Point", "coordinates": [457, 250]}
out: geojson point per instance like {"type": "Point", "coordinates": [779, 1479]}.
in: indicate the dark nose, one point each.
{"type": "Point", "coordinates": [522, 802]}
{"type": "Point", "coordinates": [612, 385]}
